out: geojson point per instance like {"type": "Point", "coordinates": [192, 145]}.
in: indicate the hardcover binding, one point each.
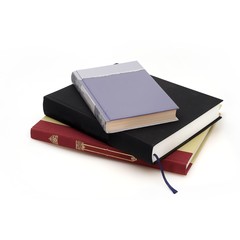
{"type": "Point", "coordinates": [122, 96]}
{"type": "Point", "coordinates": [54, 132]}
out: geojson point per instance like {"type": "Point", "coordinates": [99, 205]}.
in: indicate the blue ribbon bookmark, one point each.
{"type": "Point", "coordinates": [163, 174]}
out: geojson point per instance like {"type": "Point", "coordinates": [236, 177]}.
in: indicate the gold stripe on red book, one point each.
{"type": "Point", "coordinates": [50, 130]}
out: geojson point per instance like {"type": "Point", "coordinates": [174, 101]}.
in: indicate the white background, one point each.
{"type": "Point", "coordinates": [49, 192]}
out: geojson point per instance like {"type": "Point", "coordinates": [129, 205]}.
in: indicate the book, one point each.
{"type": "Point", "coordinates": [197, 111]}
{"type": "Point", "coordinates": [124, 96]}
{"type": "Point", "coordinates": [52, 131]}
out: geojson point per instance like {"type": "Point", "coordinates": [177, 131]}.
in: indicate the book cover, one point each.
{"type": "Point", "coordinates": [52, 131]}
{"type": "Point", "coordinates": [197, 111]}
{"type": "Point", "coordinates": [124, 96]}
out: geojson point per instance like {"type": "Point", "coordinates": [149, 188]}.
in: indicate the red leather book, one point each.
{"type": "Point", "coordinates": [55, 132]}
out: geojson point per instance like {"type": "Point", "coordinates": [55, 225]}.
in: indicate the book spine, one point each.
{"type": "Point", "coordinates": [86, 95]}
{"type": "Point", "coordinates": [51, 134]}
{"type": "Point", "coordinates": [54, 109]}
{"type": "Point", "coordinates": [66, 137]}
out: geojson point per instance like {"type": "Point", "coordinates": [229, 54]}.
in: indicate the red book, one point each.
{"type": "Point", "coordinates": [52, 131]}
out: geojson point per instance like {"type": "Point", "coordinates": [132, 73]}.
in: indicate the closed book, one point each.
{"type": "Point", "coordinates": [197, 111]}
{"type": "Point", "coordinates": [52, 131]}
{"type": "Point", "coordinates": [124, 96]}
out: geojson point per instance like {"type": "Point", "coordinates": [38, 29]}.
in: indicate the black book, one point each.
{"type": "Point", "coordinates": [197, 111]}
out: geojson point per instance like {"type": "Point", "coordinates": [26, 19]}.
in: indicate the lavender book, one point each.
{"type": "Point", "coordinates": [124, 96]}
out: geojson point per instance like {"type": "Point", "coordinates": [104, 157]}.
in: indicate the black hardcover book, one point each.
{"type": "Point", "coordinates": [197, 111]}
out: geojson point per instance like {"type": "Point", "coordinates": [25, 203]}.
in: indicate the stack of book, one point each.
{"type": "Point", "coordinates": [122, 112]}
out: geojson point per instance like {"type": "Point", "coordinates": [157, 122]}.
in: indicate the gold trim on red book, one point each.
{"type": "Point", "coordinates": [79, 145]}
{"type": "Point", "coordinates": [54, 139]}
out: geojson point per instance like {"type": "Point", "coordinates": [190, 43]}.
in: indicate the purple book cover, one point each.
{"type": "Point", "coordinates": [121, 91]}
